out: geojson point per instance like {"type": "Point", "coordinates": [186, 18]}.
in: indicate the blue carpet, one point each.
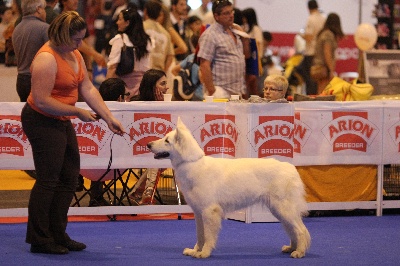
{"type": "Point", "coordinates": [362, 240]}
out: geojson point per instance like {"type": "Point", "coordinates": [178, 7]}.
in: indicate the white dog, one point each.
{"type": "Point", "coordinates": [215, 186]}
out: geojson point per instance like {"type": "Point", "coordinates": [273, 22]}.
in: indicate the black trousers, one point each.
{"type": "Point", "coordinates": [23, 86]}
{"type": "Point", "coordinates": [57, 163]}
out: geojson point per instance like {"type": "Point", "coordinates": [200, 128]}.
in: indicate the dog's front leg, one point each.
{"type": "Point", "coordinates": [200, 237]}
{"type": "Point", "coordinates": [211, 218]}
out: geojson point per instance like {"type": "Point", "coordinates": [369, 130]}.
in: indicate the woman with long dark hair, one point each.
{"type": "Point", "coordinates": [250, 25]}
{"type": "Point", "coordinates": [327, 43]}
{"type": "Point", "coordinates": [132, 34]}
{"type": "Point", "coordinates": [153, 85]}
{"type": "Point", "coordinates": [152, 88]}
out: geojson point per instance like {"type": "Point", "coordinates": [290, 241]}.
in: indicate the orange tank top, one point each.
{"type": "Point", "coordinates": [66, 83]}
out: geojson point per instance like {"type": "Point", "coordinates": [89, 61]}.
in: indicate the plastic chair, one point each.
{"type": "Point", "coordinates": [165, 184]}
{"type": "Point", "coordinates": [109, 188]}
{"type": "Point", "coordinates": [138, 188]}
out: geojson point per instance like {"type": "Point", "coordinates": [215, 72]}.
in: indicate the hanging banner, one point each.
{"type": "Point", "coordinates": [304, 133]}
{"type": "Point", "coordinates": [391, 133]}
{"type": "Point", "coordinates": [335, 132]}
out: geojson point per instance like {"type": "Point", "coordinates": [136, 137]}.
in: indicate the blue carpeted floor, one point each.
{"type": "Point", "coordinates": [362, 240]}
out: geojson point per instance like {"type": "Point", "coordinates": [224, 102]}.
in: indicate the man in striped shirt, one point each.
{"type": "Point", "coordinates": [222, 54]}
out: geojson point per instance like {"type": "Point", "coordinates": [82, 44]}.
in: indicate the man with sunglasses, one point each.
{"type": "Point", "coordinates": [222, 54]}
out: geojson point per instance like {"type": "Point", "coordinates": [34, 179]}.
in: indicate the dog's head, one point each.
{"type": "Point", "coordinates": [178, 145]}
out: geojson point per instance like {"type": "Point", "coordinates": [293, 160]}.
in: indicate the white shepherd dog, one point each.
{"type": "Point", "coordinates": [215, 186]}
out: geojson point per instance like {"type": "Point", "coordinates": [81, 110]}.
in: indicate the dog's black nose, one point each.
{"type": "Point", "coordinates": [149, 145]}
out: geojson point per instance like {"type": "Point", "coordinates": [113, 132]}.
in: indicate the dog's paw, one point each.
{"type": "Point", "coordinates": [189, 252]}
{"type": "Point", "coordinates": [196, 254]}
{"type": "Point", "coordinates": [202, 255]}
{"type": "Point", "coordinates": [297, 254]}
{"type": "Point", "coordinates": [287, 249]}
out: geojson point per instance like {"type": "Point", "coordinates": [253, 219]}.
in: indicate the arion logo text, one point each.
{"type": "Point", "coordinates": [350, 131]}
{"type": "Point", "coordinates": [273, 136]}
{"type": "Point", "coordinates": [301, 133]}
{"type": "Point", "coordinates": [12, 137]}
{"type": "Point", "coordinates": [148, 127]}
{"type": "Point", "coordinates": [219, 135]}
{"type": "Point", "coordinates": [394, 133]}
{"type": "Point", "coordinates": [91, 136]}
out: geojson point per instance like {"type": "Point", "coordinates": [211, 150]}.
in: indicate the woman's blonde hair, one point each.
{"type": "Point", "coordinates": [64, 26]}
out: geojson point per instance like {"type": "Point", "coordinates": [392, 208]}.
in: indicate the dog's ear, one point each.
{"type": "Point", "coordinates": [186, 145]}
{"type": "Point", "coordinates": [179, 132]}
{"type": "Point", "coordinates": [180, 128]}
{"type": "Point", "coordinates": [180, 124]}
{"type": "Point", "coordinates": [177, 136]}
{"type": "Point", "coordinates": [179, 121]}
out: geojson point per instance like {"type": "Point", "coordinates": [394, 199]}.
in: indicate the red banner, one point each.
{"type": "Point", "coordinates": [347, 53]}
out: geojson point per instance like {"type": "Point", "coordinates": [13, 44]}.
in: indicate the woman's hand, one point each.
{"type": "Point", "coordinates": [99, 59]}
{"type": "Point", "coordinates": [86, 116]}
{"type": "Point", "coordinates": [111, 71]}
{"type": "Point", "coordinates": [159, 95]}
{"type": "Point", "coordinates": [115, 126]}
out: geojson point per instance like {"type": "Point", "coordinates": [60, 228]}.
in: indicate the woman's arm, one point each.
{"type": "Point", "coordinates": [168, 61]}
{"type": "Point", "coordinates": [175, 70]}
{"type": "Point", "coordinates": [91, 52]}
{"type": "Point", "coordinates": [329, 59]}
{"type": "Point", "coordinates": [259, 40]}
{"type": "Point", "coordinates": [206, 76]}
{"type": "Point", "coordinates": [93, 98]}
{"type": "Point", "coordinates": [181, 47]}
{"type": "Point", "coordinates": [111, 71]}
{"type": "Point", "coordinates": [114, 57]}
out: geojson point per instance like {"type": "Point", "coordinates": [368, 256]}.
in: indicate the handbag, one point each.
{"type": "Point", "coordinates": [345, 91]}
{"type": "Point", "coordinates": [183, 86]}
{"type": "Point", "coordinates": [338, 87]}
{"type": "Point", "coordinates": [318, 72]}
{"type": "Point", "coordinates": [360, 91]}
{"type": "Point", "coordinates": [127, 60]}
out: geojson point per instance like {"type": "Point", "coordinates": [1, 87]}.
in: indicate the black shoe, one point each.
{"type": "Point", "coordinates": [50, 248]}
{"type": "Point", "coordinates": [73, 245]}
{"type": "Point", "coordinates": [31, 173]}
{"type": "Point", "coordinates": [99, 202]}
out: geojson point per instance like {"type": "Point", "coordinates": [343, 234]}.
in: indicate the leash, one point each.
{"type": "Point", "coordinates": [111, 155]}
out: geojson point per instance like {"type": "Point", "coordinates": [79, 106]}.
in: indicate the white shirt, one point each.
{"type": "Point", "coordinates": [115, 55]}
{"type": "Point", "coordinates": [315, 23]}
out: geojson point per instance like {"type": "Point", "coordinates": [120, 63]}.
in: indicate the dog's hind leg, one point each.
{"type": "Point", "coordinates": [292, 222]}
{"type": "Point", "coordinates": [200, 237]}
{"type": "Point", "coordinates": [211, 217]}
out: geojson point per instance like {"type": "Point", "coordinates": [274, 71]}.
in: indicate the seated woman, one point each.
{"type": "Point", "coordinates": [152, 88]}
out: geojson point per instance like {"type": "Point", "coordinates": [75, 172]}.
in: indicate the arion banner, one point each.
{"type": "Point", "coordinates": [304, 133]}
